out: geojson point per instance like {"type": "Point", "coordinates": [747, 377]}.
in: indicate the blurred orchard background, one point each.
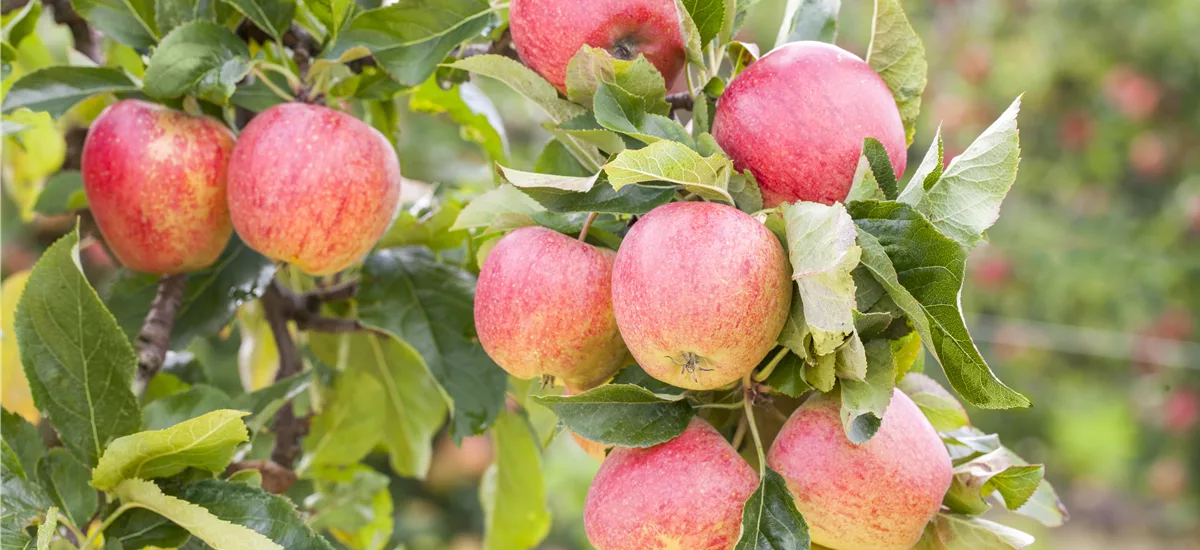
{"type": "Point", "coordinates": [1087, 299]}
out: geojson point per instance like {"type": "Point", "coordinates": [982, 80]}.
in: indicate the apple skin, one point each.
{"type": "Point", "coordinates": [874, 496]}
{"type": "Point", "coordinates": [700, 291]}
{"type": "Point", "coordinates": [687, 493]}
{"type": "Point", "coordinates": [543, 307]}
{"type": "Point", "coordinates": [797, 119]}
{"type": "Point", "coordinates": [548, 33]}
{"type": "Point", "coordinates": [155, 181]}
{"type": "Point", "coordinates": [312, 186]}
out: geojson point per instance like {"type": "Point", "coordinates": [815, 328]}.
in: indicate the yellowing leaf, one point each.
{"type": "Point", "coordinates": [14, 387]}
{"type": "Point", "coordinates": [201, 523]}
{"type": "Point", "coordinates": [673, 162]}
{"type": "Point", "coordinates": [206, 442]}
{"type": "Point", "coordinates": [258, 358]}
{"type": "Point", "coordinates": [30, 156]}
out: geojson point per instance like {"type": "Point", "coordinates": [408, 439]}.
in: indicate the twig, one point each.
{"type": "Point", "coordinates": [288, 429]}
{"type": "Point", "coordinates": [502, 46]}
{"type": "Point", "coordinates": [681, 101]}
{"type": "Point", "coordinates": [155, 337]}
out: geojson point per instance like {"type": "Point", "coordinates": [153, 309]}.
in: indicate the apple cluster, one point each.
{"type": "Point", "coordinates": [697, 295]}
{"type": "Point", "coordinates": [302, 184]}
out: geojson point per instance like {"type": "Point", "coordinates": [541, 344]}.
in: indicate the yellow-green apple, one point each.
{"type": "Point", "coordinates": [875, 496]}
{"type": "Point", "coordinates": [155, 183]}
{"type": "Point", "coordinates": [543, 307]}
{"type": "Point", "coordinates": [547, 33]}
{"type": "Point", "coordinates": [700, 291]}
{"type": "Point", "coordinates": [312, 186]}
{"type": "Point", "coordinates": [687, 493]}
{"type": "Point", "coordinates": [797, 119]}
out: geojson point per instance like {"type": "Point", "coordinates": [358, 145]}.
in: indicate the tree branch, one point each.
{"type": "Point", "coordinates": [681, 101]}
{"type": "Point", "coordinates": [275, 478]}
{"type": "Point", "coordinates": [155, 337]}
{"type": "Point", "coordinates": [87, 40]}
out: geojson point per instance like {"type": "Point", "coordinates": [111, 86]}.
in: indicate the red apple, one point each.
{"type": "Point", "coordinates": [875, 496]}
{"type": "Point", "coordinates": [543, 307]}
{"type": "Point", "coordinates": [687, 493]}
{"type": "Point", "coordinates": [312, 186]}
{"type": "Point", "coordinates": [700, 291]}
{"type": "Point", "coordinates": [547, 33]}
{"type": "Point", "coordinates": [155, 182]}
{"type": "Point", "coordinates": [797, 119]}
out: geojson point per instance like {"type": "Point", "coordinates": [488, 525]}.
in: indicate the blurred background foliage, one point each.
{"type": "Point", "coordinates": [1086, 299]}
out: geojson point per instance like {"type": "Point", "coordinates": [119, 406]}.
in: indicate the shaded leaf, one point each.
{"type": "Point", "coordinates": [864, 402]}
{"type": "Point", "coordinates": [708, 16]}
{"type": "Point", "coordinates": [621, 414]}
{"type": "Point", "coordinates": [130, 22]}
{"type": "Point", "coordinates": [65, 480]}
{"type": "Point", "coordinates": [179, 407]}
{"type": "Point", "coordinates": [770, 520]}
{"type": "Point", "coordinates": [57, 89]}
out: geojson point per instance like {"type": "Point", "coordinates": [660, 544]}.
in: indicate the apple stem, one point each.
{"type": "Point", "coordinates": [735, 405]}
{"type": "Point", "coordinates": [748, 385]}
{"type": "Point", "coordinates": [587, 224]}
{"type": "Point", "coordinates": [767, 370]}
{"type": "Point", "coordinates": [740, 434]}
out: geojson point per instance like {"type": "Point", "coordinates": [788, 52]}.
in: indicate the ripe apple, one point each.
{"type": "Point", "coordinates": [700, 291]}
{"type": "Point", "coordinates": [874, 496]}
{"type": "Point", "coordinates": [543, 307]}
{"type": "Point", "coordinates": [797, 119]}
{"type": "Point", "coordinates": [547, 33]}
{"type": "Point", "coordinates": [685, 493]}
{"type": "Point", "coordinates": [312, 186]}
{"type": "Point", "coordinates": [155, 182]}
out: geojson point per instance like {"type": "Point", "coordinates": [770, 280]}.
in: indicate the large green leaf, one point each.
{"type": "Point", "coordinates": [622, 414]}
{"type": "Point", "coordinates": [23, 501]}
{"type": "Point", "coordinates": [978, 478]}
{"type": "Point", "coordinates": [630, 199]}
{"type": "Point", "coordinates": [923, 271]}
{"type": "Point", "coordinates": [820, 242]}
{"type": "Point", "coordinates": [78, 363]}
{"type": "Point", "coordinates": [350, 425]}
{"type": "Point", "coordinates": [770, 519]}
{"type": "Point", "coordinates": [169, 14]}
{"type": "Point", "coordinates": [673, 162]}
{"type": "Point", "coordinates": [430, 305]}
{"type": "Point", "coordinates": [130, 22]}
{"type": "Point", "coordinates": [809, 20]}
{"type": "Point", "coordinates": [57, 89]}
{"type": "Point", "coordinates": [200, 57]}
{"type": "Point", "coordinates": [23, 439]}
{"type": "Point", "coordinates": [708, 16]}
{"type": "Point", "coordinates": [209, 302]}
{"type": "Point", "coordinates": [272, 516]}
{"type": "Point", "coordinates": [621, 111]}
{"type": "Point", "coordinates": [897, 54]}
{"type": "Point", "coordinates": [272, 16]}
{"type": "Point", "coordinates": [65, 480]}
{"type": "Point", "coordinates": [206, 442]}
{"type": "Point", "coordinates": [214, 530]}
{"type": "Point", "coordinates": [512, 491]}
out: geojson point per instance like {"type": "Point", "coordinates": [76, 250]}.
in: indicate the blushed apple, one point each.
{"type": "Point", "coordinates": [687, 493]}
{"type": "Point", "coordinates": [875, 496]}
{"type": "Point", "coordinates": [547, 33]}
{"type": "Point", "coordinates": [155, 180]}
{"type": "Point", "coordinates": [701, 291]}
{"type": "Point", "coordinates": [797, 119]}
{"type": "Point", "coordinates": [543, 307]}
{"type": "Point", "coordinates": [312, 186]}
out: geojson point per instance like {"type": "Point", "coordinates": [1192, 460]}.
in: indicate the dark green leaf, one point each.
{"type": "Point", "coordinates": [272, 16]}
{"type": "Point", "coordinates": [406, 291]}
{"type": "Point", "coordinates": [61, 193]}
{"type": "Point", "coordinates": [79, 364]}
{"type": "Point", "coordinates": [708, 15]}
{"type": "Point", "coordinates": [512, 492]}
{"type": "Point", "coordinates": [24, 440]}
{"type": "Point", "coordinates": [173, 409]}
{"type": "Point", "coordinates": [256, 96]}
{"type": "Point", "coordinates": [66, 482]}
{"type": "Point", "coordinates": [788, 376]}
{"type": "Point", "coordinates": [631, 199]}
{"type": "Point", "coordinates": [922, 271]}
{"type": "Point", "coordinates": [23, 500]}
{"type": "Point", "coordinates": [881, 167]}
{"type": "Point", "coordinates": [130, 22]}
{"type": "Point", "coordinates": [198, 57]}
{"type": "Point", "coordinates": [212, 296]}
{"type": "Point", "coordinates": [9, 461]}
{"type": "Point", "coordinates": [621, 414]}
{"type": "Point", "coordinates": [138, 528]}
{"type": "Point", "coordinates": [57, 89]}
{"type": "Point", "coordinates": [809, 20]}
{"type": "Point", "coordinates": [270, 515]}
{"type": "Point", "coordinates": [633, 374]}
{"type": "Point", "coordinates": [770, 520]}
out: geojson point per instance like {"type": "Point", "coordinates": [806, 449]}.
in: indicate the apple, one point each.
{"type": "Point", "coordinates": [547, 33]}
{"type": "Point", "coordinates": [312, 186]}
{"type": "Point", "coordinates": [155, 182]}
{"type": "Point", "coordinates": [797, 119]}
{"type": "Point", "coordinates": [875, 496]}
{"type": "Point", "coordinates": [687, 493]}
{"type": "Point", "coordinates": [701, 291]}
{"type": "Point", "coordinates": [543, 307]}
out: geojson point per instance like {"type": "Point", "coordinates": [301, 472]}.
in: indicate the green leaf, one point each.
{"type": "Point", "coordinates": [272, 16]}
{"type": "Point", "coordinates": [78, 363]}
{"type": "Point", "coordinates": [676, 163]}
{"type": "Point", "coordinates": [139, 528]}
{"type": "Point", "coordinates": [927, 174]}
{"type": "Point", "coordinates": [523, 81]}
{"type": "Point", "coordinates": [708, 16]}
{"type": "Point", "coordinates": [822, 373]}
{"type": "Point", "coordinates": [201, 523]}
{"type": "Point", "coordinates": [745, 192]}
{"type": "Point", "coordinates": [21, 23]}
{"type": "Point", "coordinates": [809, 20]}
{"type": "Point", "coordinates": [206, 442]}
{"type": "Point", "coordinates": [9, 461]}
{"type": "Point", "coordinates": [965, 200]}
{"type": "Point", "coordinates": [353, 504]}
{"type": "Point", "coordinates": [955, 532]}
{"type": "Point", "coordinates": [633, 374]}
{"type": "Point", "coordinates": [897, 54]}
{"type": "Point", "coordinates": [169, 14]}
{"type": "Point", "coordinates": [864, 402]}
{"type": "Point", "coordinates": [999, 471]}
{"type": "Point", "coordinates": [23, 501]}
{"type": "Point", "coordinates": [482, 210]}
{"type": "Point", "coordinates": [272, 516]}
{"type": "Point", "coordinates": [61, 193]}
{"type": "Point", "coordinates": [198, 57]}
{"type": "Point", "coordinates": [210, 299]}
{"type": "Point", "coordinates": [631, 199]}
{"type": "Point", "coordinates": [47, 529]}
{"type": "Point", "coordinates": [942, 409]}
{"type": "Point", "coordinates": [130, 22]}
{"type": "Point", "coordinates": [467, 106]}
{"type": "Point", "coordinates": [820, 243]}
{"type": "Point", "coordinates": [23, 439]}
{"type": "Point", "coordinates": [881, 167]}
{"type": "Point", "coordinates": [922, 271]}
{"type": "Point", "coordinates": [408, 293]}
{"type": "Point", "coordinates": [65, 480]}
{"type": "Point", "coordinates": [621, 111]}
{"type": "Point", "coordinates": [788, 376]}
{"type": "Point", "coordinates": [590, 67]}
{"type": "Point", "coordinates": [584, 128]}
{"type": "Point", "coordinates": [691, 35]}
{"type": "Point", "coordinates": [171, 410]}
{"type": "Point", "coordinates": [57, 89]}
{"type": "Point", "coordinates": [349, 426]}
{"type": "Point", "coordinates": [512, 492]}
{"type": "Point", "coordinates": [531, 180]}
{"type": "Point", "coordinates": [770, 520]}
{"type": "Point", "coordinates": [864, 187]}
{"type": "Point", "coordinates": [621, 414]}
{"type": "Point", "coordinates": [1045, 506]}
